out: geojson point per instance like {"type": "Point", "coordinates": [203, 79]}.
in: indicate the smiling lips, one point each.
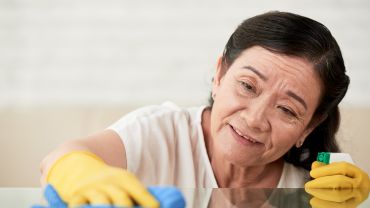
{"type": "Point", "coordinates": [244, 136]}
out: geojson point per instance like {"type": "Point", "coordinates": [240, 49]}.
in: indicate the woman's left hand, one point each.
{"type": "Point", "coordinates": [337, 175]}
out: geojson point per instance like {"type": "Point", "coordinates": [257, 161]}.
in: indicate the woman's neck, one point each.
{"type": "Point", "coordinates": [231, 176]}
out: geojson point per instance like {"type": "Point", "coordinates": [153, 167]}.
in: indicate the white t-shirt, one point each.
{"type": "Point", "coordinates": [165, 146]}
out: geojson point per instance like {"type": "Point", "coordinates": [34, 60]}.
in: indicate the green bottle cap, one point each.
{"type": "Point", "coordinates": [323, 157]}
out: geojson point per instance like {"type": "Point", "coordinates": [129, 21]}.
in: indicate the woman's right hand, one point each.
{"type": "Point", "coordinates": [337, 175]}
{"type": "Point", "coordinates": [81, 177]}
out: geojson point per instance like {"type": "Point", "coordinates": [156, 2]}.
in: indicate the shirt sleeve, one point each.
{"type": "Point", "coordinates": [148, 135]}
{"type": "Point", "coordinates": [131, 129]}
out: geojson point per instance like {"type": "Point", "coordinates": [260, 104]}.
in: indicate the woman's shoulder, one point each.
{"type": "Point", "coordinates": [153, 110]}
{"type": "Point", "coordinates": [293, 176]}
{"type": "Point", "coordinates": [166, 114]}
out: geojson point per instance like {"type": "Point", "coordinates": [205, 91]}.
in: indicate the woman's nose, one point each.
{"type": "Point", "coordinates": [255, 115]}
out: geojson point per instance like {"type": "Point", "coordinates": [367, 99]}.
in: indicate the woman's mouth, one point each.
{"type": "Point", "coordinates": [243, 139]}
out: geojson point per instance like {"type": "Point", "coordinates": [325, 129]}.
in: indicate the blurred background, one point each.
{"type": "Point", "coordinates": [69, 68]}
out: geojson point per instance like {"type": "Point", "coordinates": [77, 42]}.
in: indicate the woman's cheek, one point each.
{"type": "Point", "coordinates": [284, 140]}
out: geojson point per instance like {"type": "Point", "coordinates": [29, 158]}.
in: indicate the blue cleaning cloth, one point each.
{"type": "Point", "coordinates": [168, 197]}
{"type": "Point", "coordinates": [53, 199]}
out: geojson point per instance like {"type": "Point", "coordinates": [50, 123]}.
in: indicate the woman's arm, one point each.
{"type": "Point", "coordinates": [106, 144]}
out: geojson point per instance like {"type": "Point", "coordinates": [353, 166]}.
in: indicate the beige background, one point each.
{"type": "Point", "coordinates": [69, 68]}
{"type": "Point", "coordinates": [31, 132]}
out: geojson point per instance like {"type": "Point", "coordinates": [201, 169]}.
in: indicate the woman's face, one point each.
{"type": "Point", "coordinates": [262, 106]}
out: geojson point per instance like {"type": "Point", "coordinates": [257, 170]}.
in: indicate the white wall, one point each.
{"type": "Point", "coordinates": [118, 52]}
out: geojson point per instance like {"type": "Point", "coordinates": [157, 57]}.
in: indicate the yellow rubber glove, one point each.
{"type": "Point", "coordinates": [81, 177]}
{"type": "Point", "coordinates": [337, 198]}
{"type": "Point", "coordinates": [337, 175]}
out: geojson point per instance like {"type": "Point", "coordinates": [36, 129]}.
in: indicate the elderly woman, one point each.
{"type": "Point", "coordinates": [273, 107]}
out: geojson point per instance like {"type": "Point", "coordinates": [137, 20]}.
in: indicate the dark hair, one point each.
{"type": "Point", "coordinates": [295, 35]}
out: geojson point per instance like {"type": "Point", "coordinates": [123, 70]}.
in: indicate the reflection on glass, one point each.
{"type": "Point", "coordinates": [240, 197]}
{"type": "Point", "coordinates": [338, 198]}
{"type": "Point", "coordinates": [247, 197]}
{"type": "Point", "coordinates": [271, 198]}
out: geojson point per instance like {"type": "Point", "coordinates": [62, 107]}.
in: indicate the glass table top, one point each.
{"type": "Point", "coordinates": [227, 197]}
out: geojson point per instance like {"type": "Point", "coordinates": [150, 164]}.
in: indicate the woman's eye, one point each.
{"type": "Point", "coordinates": [247, 86]}
{"type": "Point", "coordinates": [288, 112]}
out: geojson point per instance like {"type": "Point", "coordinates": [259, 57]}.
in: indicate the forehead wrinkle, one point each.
{"type": "Point", "coordinates": [278, 66]}
{"type": "Point", "coordinates": [305, 86]}
{"type": "Point", "coordinates": [270, 61]}
{"type": "Point", "coordinates": [273, 64]}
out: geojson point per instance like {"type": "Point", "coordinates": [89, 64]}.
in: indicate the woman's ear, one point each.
{"type": "Point", "coordinates": [218, 75]}
{"type": "Point", "coordinates": [316, 121]}
{"type": "Point", "coordinates": [299, 143]}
